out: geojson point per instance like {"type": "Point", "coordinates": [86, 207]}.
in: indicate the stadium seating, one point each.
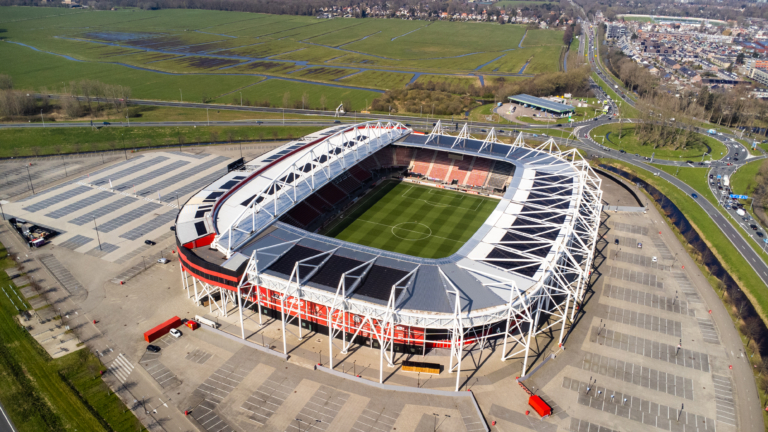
{"type": "Point", "coordinates": [370, 163]}
{"type": "Point", "coordinates": [317, 202]}
{"type": "Point", "coordinates": [499, 174]}
{"type": "Point", "coordinates": [460, 169]}
{"type": "Point", "coordinates": [384, 157]}
{"type": "Point", "coordinates": [423, 160]}
{"type": "Point", "coordinates": [331, 194]}
{"type": "Point", "coordinates": [303, 214]}
{"type": "Point", "coordinates": [347, 183]}
{"type": "Point", "coordinates": [480, 171]}
{"type": "Point", "coordinates": [440, 167]}
{"type": "Point", "coordinates": [360, 173]}
{"type": "Point", "coordinates": [403, 156]}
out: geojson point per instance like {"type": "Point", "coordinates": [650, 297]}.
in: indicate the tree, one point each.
{"type": "Point", "coordinates": [6, 82]}
{"type": "Point", "coordinates": [740, 58]}
{"type": "Point", "coordinates": [323, 101]}
{"type": "Point", "coordinates": [214, 136]}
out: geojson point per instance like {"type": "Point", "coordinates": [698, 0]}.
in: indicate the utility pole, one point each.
{"type": "Point", "coordinates": [181, 96]}
{"type": "Point", "coordinates": [241, 98]}
{"type": "Point", "coordinates": [42, 118]}
{"type": "Point", "coordinates": [208, 118]}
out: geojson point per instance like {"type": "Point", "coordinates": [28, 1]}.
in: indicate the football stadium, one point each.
{"type": "Point", "coordinates": [398, 240]}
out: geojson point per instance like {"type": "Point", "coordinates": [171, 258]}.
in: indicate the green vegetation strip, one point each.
{"type": "Point", "coordinates": [724, 250]}
{"type": "Point", "coordinates": [47, 141]}
{"type": "Point", "coordinates": [694, 149]}
{"type": "Point", "coordinates": [42, 394]}
{"type": "Point", "coordinates": [416, 220]}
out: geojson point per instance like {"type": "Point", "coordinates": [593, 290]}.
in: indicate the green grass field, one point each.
{"type": "Point", "coordinates": [201, 39]}
{"type": "Point", "coordinates": [416, 220]}
{"type": "Point", "coordinates": [744, 180]}
{"type": "Point", "coordinates": [633, 145]}
{"type": "Point", "coordinates": [37, 391]}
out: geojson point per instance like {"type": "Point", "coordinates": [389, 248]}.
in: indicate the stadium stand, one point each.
{"type": "Point", "coordinates": [331, 193]}
{"type": "Point", "coordinates": [440, 166]}
{"type": "Point", "coordinates": [403, 156]}
{"type": "Point", "coordinates": [500, 174]}
{"type": "Point", "coordinates": [346, 183]}
{"type": "Point", "coordinates": [360, 173]}
{"type": "Point", "coordinates": [460, 169]}
{"type": "Point", "coordinates": [318, 203]}
{"type": "Point", "coordinates": [303, 214]}
{"type": "Point", "coordinates": [423, 161]}
{"type": "Point", "coordinates": [370, 163]}
{"type": "Point", "coordinates": [480, 171]}
{"type": "Point", "coordinates": [384, 156]}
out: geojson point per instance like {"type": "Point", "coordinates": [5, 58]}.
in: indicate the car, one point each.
{"type": "Point", "coordinates": [483, 130]}
{"type": "Point", "coordinates": [153, 348]}
{"type": "Point", "coordinates": [616, 241]}
{"type": "Point", "coordinates": [753, 226]}
{"type": "Point", "coordinates": [720, 133]}
{"type": "Point", "coordinates": [639, 245]}
{"type": "Point", "coordinates": [541, 134]}
{"type": "Point", "coordinates": [622, 151]}
{"type": "Point", "coordinates": [149, 242]}
{"type": "Point", "coordinates": [719, 187]}
{"type": "Point", "coordinates": [337, 121]}
{"type": "Point", "coordinates": [106, 123]}
{"type": "Point", "coordinates": [407, 125]}
{"type": "Point", "coordinates": [175, 333]}
{"type": "Point", "coordinates": [711, 176]}
{"type": "Point", "coordinates": [654, 259]}
{"type": "Point", "coordinates": [694, 196]}
{"type": "Point", "coordinates": [689, 162]}
{"type": "Point", "coordinates": [163, 260]}
{"type": "Point", "coordinates": [735, 159]}
{"type": "Point", "coordinates": [759, 234]}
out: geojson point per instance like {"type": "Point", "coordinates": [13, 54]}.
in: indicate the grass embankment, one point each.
{"type": "Point", "coordinates": [40, 393]}
{"type": "Point", "coordinates": [744, 182]}
{"type": "Point", "coordinates": [631, 143]}
{"type": "Point", "coordinates": [724, 250]}
{"type": "Point", "coordinates": [47, 141]}
{"type": "Point", "coordinates": [696, 178]}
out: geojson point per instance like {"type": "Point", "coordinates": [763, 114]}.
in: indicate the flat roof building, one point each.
{"type": "Point", "coordinates": [542, 104]}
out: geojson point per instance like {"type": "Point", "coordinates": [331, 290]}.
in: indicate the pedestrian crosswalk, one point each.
{"type": "Point", "coordinates": [121, 368]}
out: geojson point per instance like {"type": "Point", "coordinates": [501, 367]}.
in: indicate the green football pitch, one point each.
{"type": "Point", "coordinates": [416, 220]}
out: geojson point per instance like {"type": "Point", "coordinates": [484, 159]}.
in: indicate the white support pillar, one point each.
{"type": "Point", "coordinates": [565, 318]}
{"type": "Point", "coordinates": [240, 309]}
{"type": "Point", "coordinates": [282, 312]}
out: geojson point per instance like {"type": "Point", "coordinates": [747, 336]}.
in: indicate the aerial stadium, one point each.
{"type": "Point", "coordinates": [402, 241]}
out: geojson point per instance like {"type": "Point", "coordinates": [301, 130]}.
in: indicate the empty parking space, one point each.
{"type": "Point", "coordinates": [708, 331]}
{"type": "Point", "coordinates": [668, 304]}
{"type": "Point", "coordinates": [639, 410]}
{"type": "Point", "coordinates": [639, 375]}
{"type": "Point", "coordinates": [629, 228]}
{"type": "Point", "coordinates": [378, 415]}
{"type": "Point", "coordinates": [634, 276]}
{"type": "Point", "coordinates": [644, 321]}
{"type": "Point", "coordinates": [262, 404]}
{"type": "Point", "coordinates": [154, 366]}
{"type": "Point", "coordinates": [724, 404]}
{"type": "Point", "coordinates": [322, 408]}
{"type": "Point", "coordinates": [641, 260]}
{"type": "Point", "coordinates": [652, 349]}
{"type": "Point", "coordinates": [198, 356]}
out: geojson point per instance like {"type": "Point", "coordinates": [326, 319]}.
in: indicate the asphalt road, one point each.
{"type": "Point", "coordinates": [5, 422]}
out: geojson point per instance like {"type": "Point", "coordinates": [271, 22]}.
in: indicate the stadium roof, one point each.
{"type": "Point", "coordinates": [542, 103]}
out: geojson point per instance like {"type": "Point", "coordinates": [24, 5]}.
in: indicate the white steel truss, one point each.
{"type": "Point", "coordinates": [568, 234]}
{"type": "Point", "coordinates": [316, 167]}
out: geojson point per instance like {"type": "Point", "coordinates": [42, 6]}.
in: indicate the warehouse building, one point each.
{"type": "Point", "coordinates": [542, 104]}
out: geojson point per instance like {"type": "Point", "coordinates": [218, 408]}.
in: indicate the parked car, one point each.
{"type": "Point", "coordinates": [163, 260]}
{"type": "Point", "coordinates": [654, 259]}
{"type": "Point", "coordinates": [153, 348]}
{"type": "Point", "coordinates": [639, 245]}
{"type": "Point", "coordinates": [149, 242]}
{"type": "Point", "coordinates": [616, 241]}
{"type": "Point", "coordinates": [175, 333]}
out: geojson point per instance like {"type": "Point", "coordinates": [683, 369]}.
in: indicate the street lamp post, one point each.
{"type": "Point", "coordinates": [97, 232]}
{"type": "Point", "coordinates": [31, 186]}
{"type": "Point", "coordinates": [181, 96]}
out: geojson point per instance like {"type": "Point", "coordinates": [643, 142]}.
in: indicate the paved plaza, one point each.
{"type": "Point", "coordinates": [645, 354]}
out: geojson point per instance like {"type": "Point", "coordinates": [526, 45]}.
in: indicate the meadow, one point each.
{"type": "Point", "coordinates": [211, 53]}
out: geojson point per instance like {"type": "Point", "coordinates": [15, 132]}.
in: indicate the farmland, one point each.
{"type": "Point", "coordinates": [214, 53]}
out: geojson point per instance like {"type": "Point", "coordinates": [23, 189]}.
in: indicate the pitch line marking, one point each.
{"type": "Point", "coordinates": [405, 195]}
{"type": "Point", "coordinates": [406, 229]}
{"type": "Point", "coordinates": [390, 226]}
